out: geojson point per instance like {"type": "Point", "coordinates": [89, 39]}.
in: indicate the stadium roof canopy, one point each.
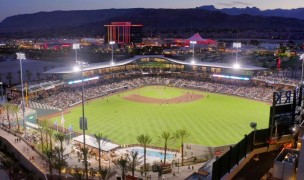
{"type": "Point", "coordinates": [35, 87]}
{"type": "Point", "coordinates": [66, 70]}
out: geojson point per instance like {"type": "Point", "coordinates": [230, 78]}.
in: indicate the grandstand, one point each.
{"type": "Point", "coordinates": [68, 95]}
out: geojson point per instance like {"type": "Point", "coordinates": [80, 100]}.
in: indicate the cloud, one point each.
{"type": "Point", "coordinates": [234, 4]}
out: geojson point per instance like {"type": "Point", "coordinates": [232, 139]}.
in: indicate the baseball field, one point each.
{"type": "Point", "coordinates": [211, 119]}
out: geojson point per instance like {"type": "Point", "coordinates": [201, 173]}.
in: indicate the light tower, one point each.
{"type": "Point", "coordinates": [193, 44]}
{"type": "Point", "coordinates": [21, 56]}
{"type": "Point", "coordinates": [236, 45]}
{"type": "Point", "coordinates": [112, 43]}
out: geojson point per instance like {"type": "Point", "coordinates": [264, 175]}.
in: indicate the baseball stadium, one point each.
{"type": "Point", "coordinates": [148, 95]}
{"type": "Point", "coordinates": [224, 110]}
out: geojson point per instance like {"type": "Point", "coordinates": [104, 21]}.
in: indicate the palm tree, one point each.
{"type": "Point", "coordinates": [50, 132]}
{"type": "Point", "coordinates": [41, 128]}
{"type": "Point", "coordinates": [182, 135]}
{"type": "Point", "coordinates": [98, 138]}
{"type": "Point", "coordinates": [15, 109]}
{"type": "Point", "coordinates": [85, 152]}
{"type": "Point", "coordinates": [60, 137]}
{"type": "Point", "coordinates": [122, 165]}
{"type": "Point", "coordinates": [8, 108]}
{"type": "Point", "coordinates": [49, 155]}
{"type": "Point", "coordinates": [104, 172]}
{"type": "Point", "coordinates": [38, 74]}
{"type": "Point", "coordinates": [166, 137]}
{"type": "Point", "coordinates": [144, 140]}
{"type": "Point", "coordinates": [9, 77]}
{"type": "Point", "coordinates": [59, 162]}
{"type": "Point", "coordinates": [28, 74]}
{"type": "Point", "coordinates": [77, 174]}
{"type": "Point", "coordinates": [19, 76]}
{"type": "Point", "coordinates": [134, 160]}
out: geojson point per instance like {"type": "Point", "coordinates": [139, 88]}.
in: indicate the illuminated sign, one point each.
{"type": "Point", "coordinates": [79, 81]}
{"type": "Point", "coordinates": [283, 97]}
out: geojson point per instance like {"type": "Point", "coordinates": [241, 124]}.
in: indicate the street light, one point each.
{"type": "Point", "coordinates": [112, 43]}
{"type": "Point", "coordinates": [236, 45]}
{"type": "Point", "coordinates": [21, 56]}
{"type": "Point", "coordinates": [193, 43]}
{"type": "Point", "coordinates": [302, 58]}
{"type": "Point", "coordinates": [79, 67]}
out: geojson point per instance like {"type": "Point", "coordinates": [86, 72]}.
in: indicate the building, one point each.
{"type": "Point", "coordinates": [123, 33]}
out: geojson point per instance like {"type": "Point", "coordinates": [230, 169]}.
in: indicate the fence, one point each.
{"type": "Point", "coordinates": [231, 158]}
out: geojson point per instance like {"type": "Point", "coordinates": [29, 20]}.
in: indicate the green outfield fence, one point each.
{"type": "Point", "coordinates": [231, 158]}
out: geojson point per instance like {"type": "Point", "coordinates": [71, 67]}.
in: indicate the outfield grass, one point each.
{"type": "Point", "coordinates": [213, 120]}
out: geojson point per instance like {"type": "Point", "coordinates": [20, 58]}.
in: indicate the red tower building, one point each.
{"type": "Point", "coordinates": [123, 33]}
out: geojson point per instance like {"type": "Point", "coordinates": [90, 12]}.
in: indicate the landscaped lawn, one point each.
{"type": "Point", "coordinates": [213, 120]}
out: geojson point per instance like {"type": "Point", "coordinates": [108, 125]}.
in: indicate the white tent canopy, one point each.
{"type": "Point", "coordinates": [199, 40]}
{"type": "Point", "coordinates": [91, 141]}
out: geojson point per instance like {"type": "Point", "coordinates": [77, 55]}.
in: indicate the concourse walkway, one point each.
{"type": "Point", "coordinates": [26, 151]}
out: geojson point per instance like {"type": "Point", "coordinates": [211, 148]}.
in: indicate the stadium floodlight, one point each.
{"type": "Point", "coordinates": [21, 56]}
{"type": "Point", "coordinates": [193, 44]}
{"type": "Point", "coordinates": [76, 46]}
{"type": "Point", "coordinates": [1, 90]}
{"type": "Point", "coordinates": [112, 43]}
{"type": "Point", "coordinates": [302, 58]}
{"type": "Point", "coordinates": [79, 67]}
{"type": "Point", "coordinates": [76, 68]}
{"type": "Point", "coordinates": [236, 66]}
{"type": "Point", "coordinates": [236, 45]}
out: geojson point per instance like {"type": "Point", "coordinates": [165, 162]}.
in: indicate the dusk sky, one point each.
{"type": "Point", "coordinates": [15, 7]}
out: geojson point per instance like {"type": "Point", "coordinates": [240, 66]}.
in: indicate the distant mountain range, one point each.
{"type": "Point", "coordinates": [156, 21]}
{"type": "Point", "coordinates": [287, 13]}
